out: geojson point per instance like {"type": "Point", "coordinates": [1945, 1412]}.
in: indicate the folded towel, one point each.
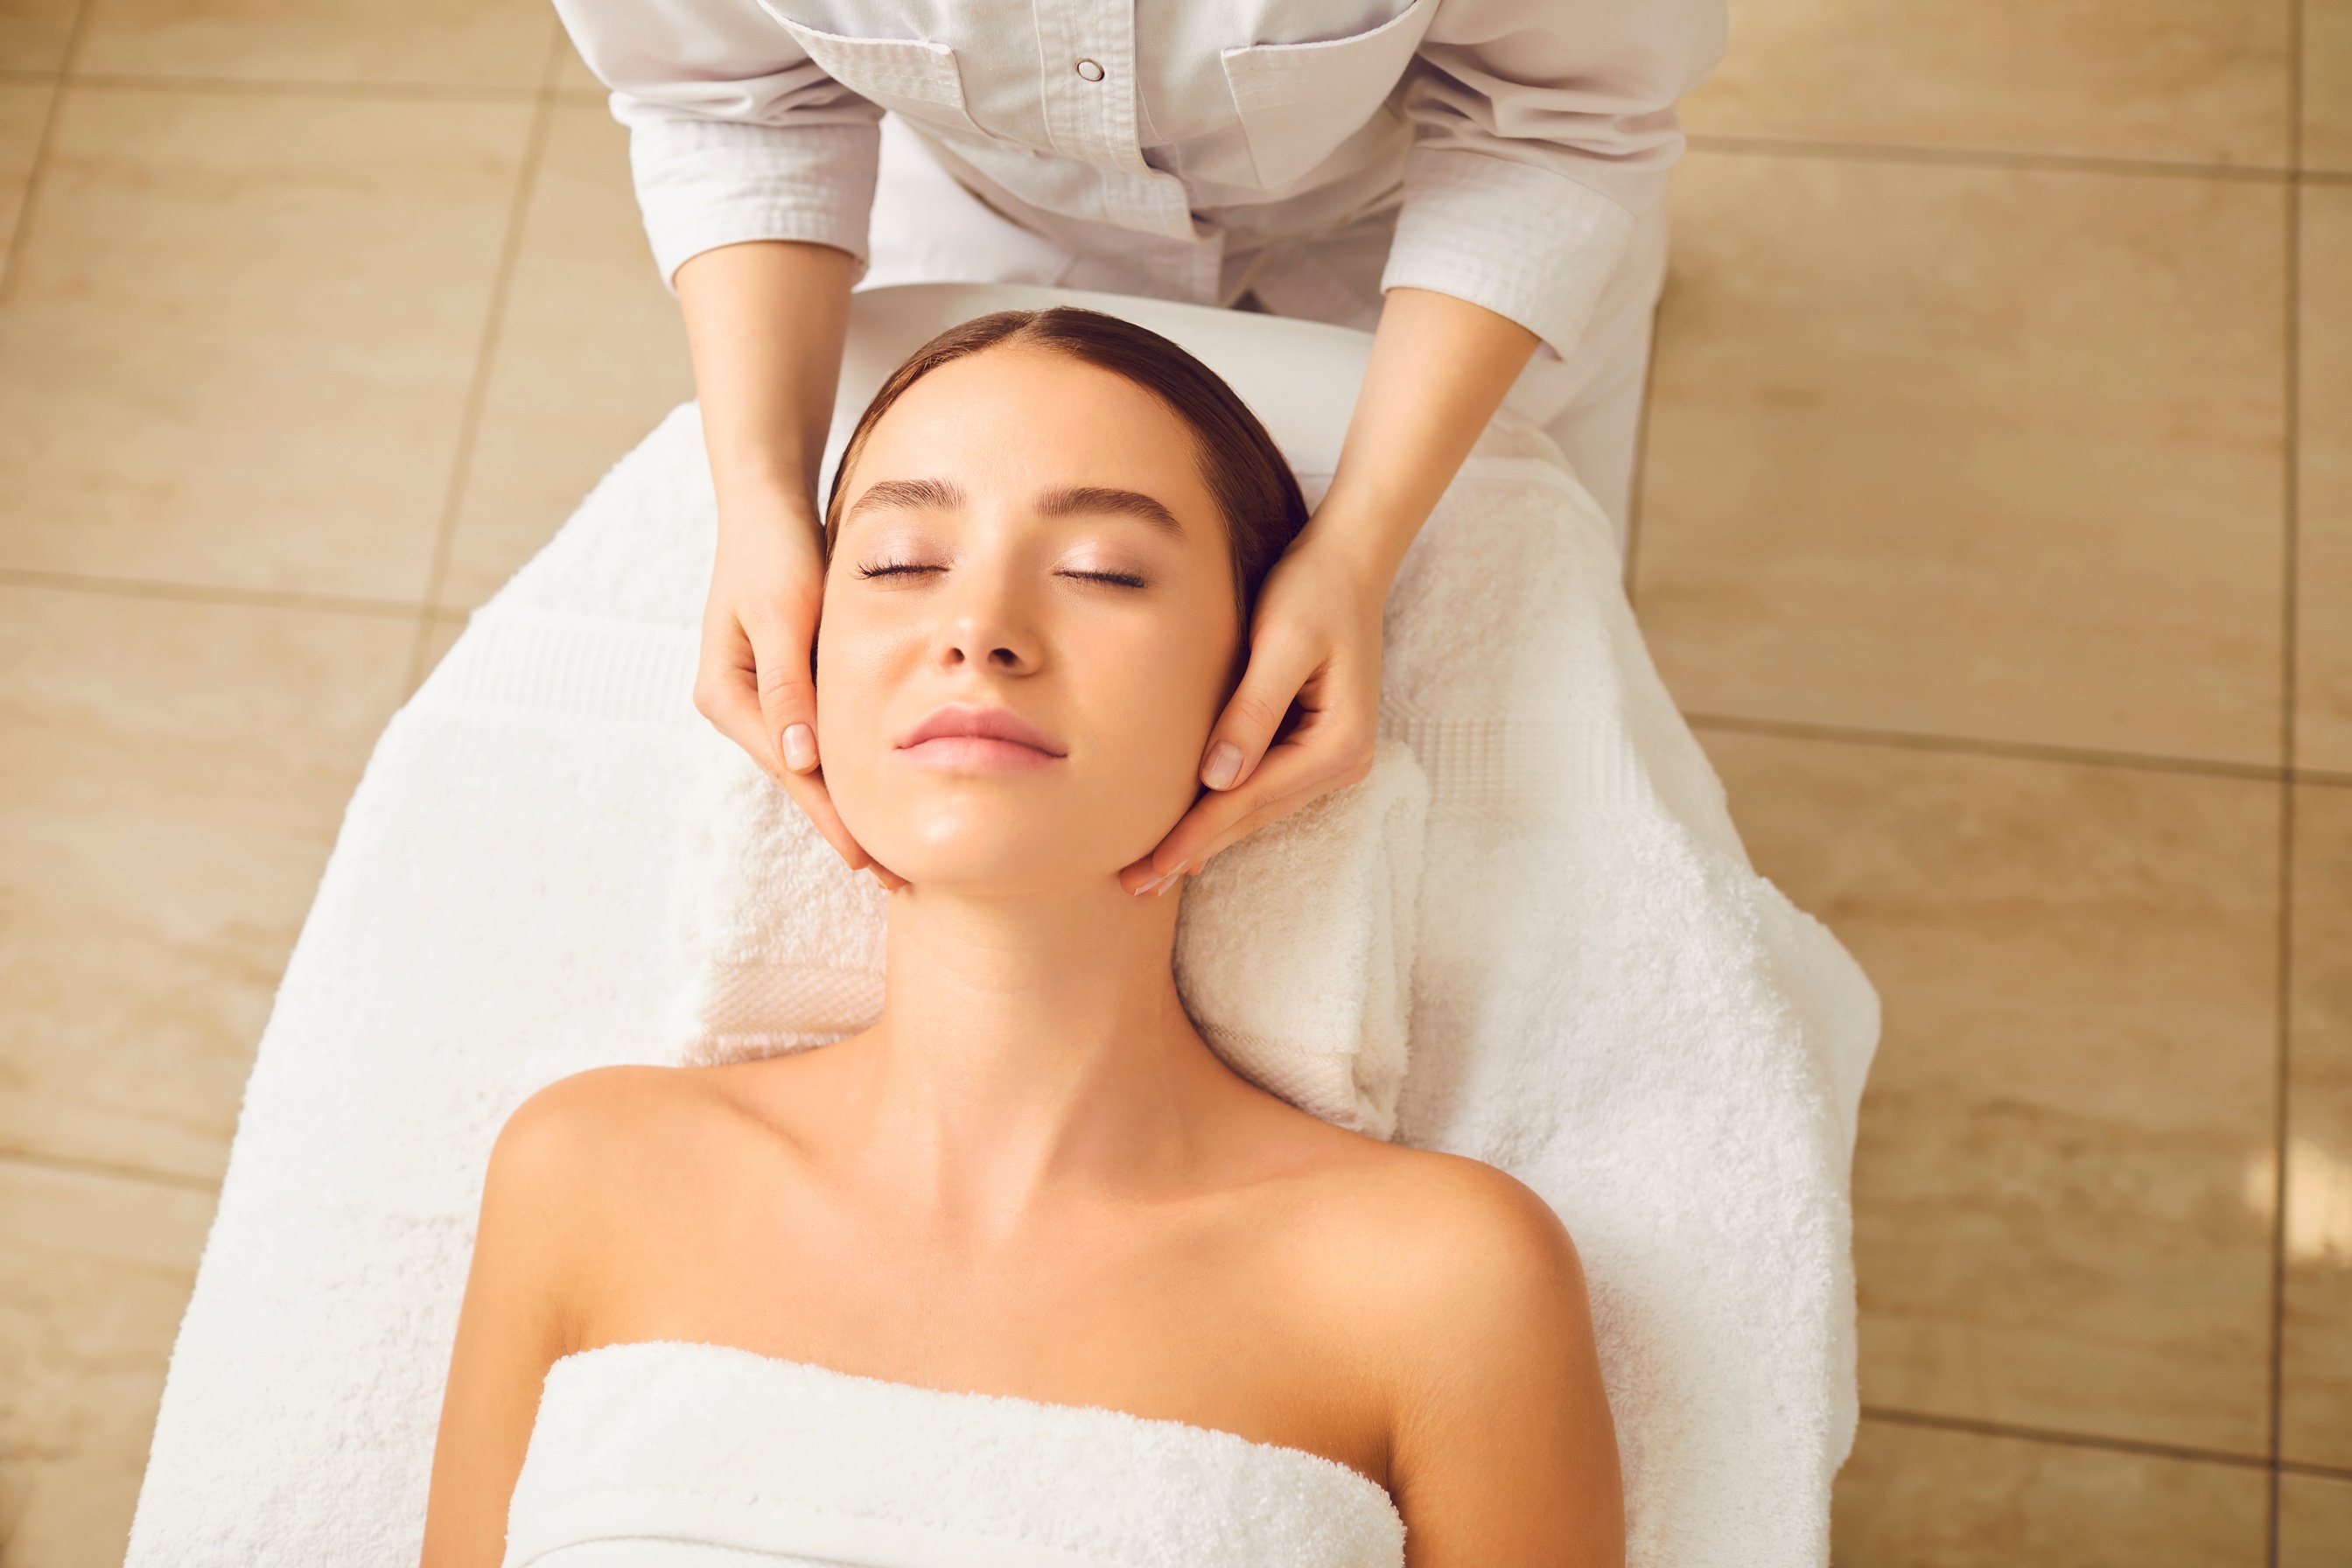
{"type": "Point", "coordinates": [783, 941]}
{"type": "Point", "coordinates": [1607, 1002]}
{"type": "Point", "coordinates": [1294, 946]}
{"type": "Point", "coordinates": [717, 1451]}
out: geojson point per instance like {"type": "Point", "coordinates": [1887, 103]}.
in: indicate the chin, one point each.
{"type": "Point", "coordinates": [978, 846]}
{"type": "Point", "coordinates": [995, 880]}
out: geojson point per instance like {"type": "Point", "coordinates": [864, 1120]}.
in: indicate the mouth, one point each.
{"type": "Point", "coordinates": [967, 738]}
{"type": "Point", "coordinates": [977, 754]}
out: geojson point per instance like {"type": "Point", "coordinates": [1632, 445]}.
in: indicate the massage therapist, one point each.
{"type": "Point", "coordinates": [1480, 183]}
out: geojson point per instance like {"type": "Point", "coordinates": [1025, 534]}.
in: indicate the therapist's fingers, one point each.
{"type": "Point", "coordinates": [727, 692]}
{"type": "Point", "coordinates": [756, 678]}
{"type": "Point", "coordinates": [787, 689]}
{"type": "Point", "coordinates": [1324, 753]}
{"type": "Point", "coordinates": [1288, 779]}
{"type": "Point", "coordinates": [1314, 653]}
{"type": "Point", "coordinates": [767, 587]}
{"type": "Point", "coordinates": [786, 683]}
{"type": "Point", "coordinates": [1282, 662]}
{"type": "Point", "coordinates": [1314, 644]}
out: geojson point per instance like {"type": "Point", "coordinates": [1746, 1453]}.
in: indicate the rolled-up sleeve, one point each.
{"type": "Point", "coordinates": [1541, 130]}
{"type": "Point", "coordinates": [734, 133]}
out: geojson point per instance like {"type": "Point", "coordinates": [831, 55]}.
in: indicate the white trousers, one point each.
{"type": "Point", "coordinates": [927, 228]}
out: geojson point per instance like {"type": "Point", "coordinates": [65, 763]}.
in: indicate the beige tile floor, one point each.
{"type": "Point", "coordinates": [1994, 529]}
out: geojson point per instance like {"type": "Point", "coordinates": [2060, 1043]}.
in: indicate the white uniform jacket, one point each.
{"type": "Point", "coordinates": [1316, 152]}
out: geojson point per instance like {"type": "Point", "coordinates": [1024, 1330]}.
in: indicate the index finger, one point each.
{"type": "Point", "coordinates": [1292, 774]}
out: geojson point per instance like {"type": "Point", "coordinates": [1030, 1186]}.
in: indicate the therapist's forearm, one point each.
{"type": "Point", "coordinates": [765, 322]}
{"type": "Point", "coordinates": [1439, 368]}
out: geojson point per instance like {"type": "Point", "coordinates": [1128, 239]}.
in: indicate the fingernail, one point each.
{"type": "Point", "coordinates": [799, 747]}
{"type": "Point", "coordinates": [1153, 886]}
{"type": "Point", "coordinates": [1224, 764]}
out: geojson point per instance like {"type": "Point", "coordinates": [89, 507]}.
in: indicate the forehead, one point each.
{"type": "Point", "coordinates": [1024, 412]}
{"type": "Point", "coordinates": [1034, 424]}
{"type": "Point", "coordinates": [1060, 500]}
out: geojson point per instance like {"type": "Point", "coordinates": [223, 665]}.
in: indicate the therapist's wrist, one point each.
{"type": "Point", "coordinates": [765, 505]}
{"type": "Point", "coordinates": [1371, 538]}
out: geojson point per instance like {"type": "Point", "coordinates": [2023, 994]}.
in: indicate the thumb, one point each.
{"type": "Point", "coordinates": [1238, 741]}
{"type": "Point", "coordinates": [787, 686]}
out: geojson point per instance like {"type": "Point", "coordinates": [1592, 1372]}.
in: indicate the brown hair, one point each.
{"type": "Point", "coordinates": [1239, 463]}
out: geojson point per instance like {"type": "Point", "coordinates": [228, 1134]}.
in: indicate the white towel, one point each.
{"type": "Point", "coordinates": [1295, 946]}
{"type": "Point", "coordinates": [1292, 947]}
{"type": "Point", "coordinates": [717, 1452]}
{"type": "Point", "coordinates": [1607, 1002]}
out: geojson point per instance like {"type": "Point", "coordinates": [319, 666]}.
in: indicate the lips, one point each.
{"type": "Point", "coordinates": [964, 719]}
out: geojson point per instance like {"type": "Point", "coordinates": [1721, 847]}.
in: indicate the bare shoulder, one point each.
{"type": "Point", "coordinates": [582, 1154]}
{"type": "Point", "coordinates": [598, 1100]}
{"type": "Point", "coordinates": [1502, 1443]}
{"type": "Point", "coordinates": [1455, 1239]}
{"type": "Point", "coordinates": [566, 1132]}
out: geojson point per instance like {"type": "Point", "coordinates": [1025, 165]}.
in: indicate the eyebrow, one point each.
{"type": "Point", "coordinates": [1069, 501]}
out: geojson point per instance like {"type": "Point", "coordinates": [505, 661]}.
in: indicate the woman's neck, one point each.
{"type": "Point", "coordinates": [1030, 1046]}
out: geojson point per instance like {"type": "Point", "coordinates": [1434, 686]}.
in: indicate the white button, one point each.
{"type": "Point", "coordinates": [1091, 71]}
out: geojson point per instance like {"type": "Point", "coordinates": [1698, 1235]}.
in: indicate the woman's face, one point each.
{"type": "Point", "coordinates": [1023, 533]}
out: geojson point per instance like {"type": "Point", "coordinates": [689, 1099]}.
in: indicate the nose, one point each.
{"type": "Point", "coordinates": [987, 621]}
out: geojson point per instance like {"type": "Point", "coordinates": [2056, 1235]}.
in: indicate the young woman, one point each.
{"type": "Point", "coordinates": [1032, 1177]}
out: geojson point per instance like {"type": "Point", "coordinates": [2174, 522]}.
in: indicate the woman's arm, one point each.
{"type": "Point", "coordinates": [1439, 368]}
{"type": "Point", "coordinates": [1502, 1445]}
{"type": "Point", "coordinates": [755, 172]}
{"type": "Point", "coordinates": [513, 1324]}
{"type": "Point", "coordinates": [766, 322]}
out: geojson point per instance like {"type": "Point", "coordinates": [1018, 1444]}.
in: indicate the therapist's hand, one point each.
{"type": "Point", "coordinates": [1315, 643]}
{"type": "Point", "coordinates": [755, 681]}
{"type": "Point", "coordinates": [1440, 367]}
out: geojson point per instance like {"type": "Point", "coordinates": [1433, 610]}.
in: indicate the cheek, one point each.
{"type": "Point", "coordinates": [849, 702]}
{"type": "Point", "coordinates": [1174, 686]}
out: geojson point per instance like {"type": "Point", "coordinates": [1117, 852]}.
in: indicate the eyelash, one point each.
{"type": "Point", "coordinates": [900, 569]}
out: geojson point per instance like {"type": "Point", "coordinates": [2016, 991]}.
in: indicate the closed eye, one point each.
{"type": "Point", "coordinates": [900, 569]}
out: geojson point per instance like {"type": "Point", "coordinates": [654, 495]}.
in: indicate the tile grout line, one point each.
{"type": "Point", "coordinates": [293, 87]}
{"type": "Point", "coordinates": [319, 87]}
{"type": "Point", "coordinates": [80, 1165]}
{"type": "Point", "coordinates": [485, 356]}
{"type": "Point", "coordinates": [2015, 750]}
{"type": "Point", "coordinates": [10, 264]}
{"type": "Point", "coordinates": [204, 593]}
{"type": "Point", "coordinates": [1767, 144]}
{"type": "Point", "coordinates": [2282, 1006]}
{"type": "Point", "coordinates": [1977, 1426]}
